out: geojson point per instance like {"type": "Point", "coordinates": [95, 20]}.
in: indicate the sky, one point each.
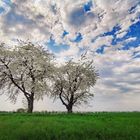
{"type": "Point", "coordinates": [108, 29]}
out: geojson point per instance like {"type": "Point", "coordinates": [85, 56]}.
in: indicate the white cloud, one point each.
{"type": "Point", "coordinates": [130, 39]}
{"type": "Point", "coordinates": [38, 20]}
{"type": "Point", "coordinates": [119, 73]}
{"type": "Point", "coordinates": [121, 34]}
{"type": "Point", "coordinates": [71, 52]}
{"type": "Point", "coordinates": [102, 41]}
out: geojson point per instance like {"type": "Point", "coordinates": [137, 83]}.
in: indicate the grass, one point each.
{"type": "Point", "coordinates": [90, 126]}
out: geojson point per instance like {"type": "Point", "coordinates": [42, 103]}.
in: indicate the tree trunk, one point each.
{"type": "Point", "coordinates": [30, 105]}
{"type": "Point", "coordinates": [69, 109]}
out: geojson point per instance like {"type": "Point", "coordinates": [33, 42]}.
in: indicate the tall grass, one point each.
{"type": "Point", "coordinates": [89, 126]}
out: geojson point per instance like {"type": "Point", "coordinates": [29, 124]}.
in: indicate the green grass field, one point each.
{"type": "Point", "coordinates": [90, 126]}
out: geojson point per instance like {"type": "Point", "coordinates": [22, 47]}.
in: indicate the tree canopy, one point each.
{"type": "Point", "coordinates": [73, 81]}
{"type": "Point", "coordinates": [25, 69]}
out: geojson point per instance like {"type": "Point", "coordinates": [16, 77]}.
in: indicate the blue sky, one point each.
{"type": "Point", "coordinates": [108, 29]}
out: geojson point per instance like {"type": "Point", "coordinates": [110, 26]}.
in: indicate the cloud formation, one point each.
{"type": "Point", "coordinates": [42, 19]}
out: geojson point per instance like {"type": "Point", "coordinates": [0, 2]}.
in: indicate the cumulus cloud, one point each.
{"type": "Point", "coordinates": [42, 19]}
{"type": "Point", "coordinates": [119, 74]}
{"type": "Point", "coordinates": [102, 41]}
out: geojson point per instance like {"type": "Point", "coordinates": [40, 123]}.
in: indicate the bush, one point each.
{"type": "Point", "coordinates": [21, 110]}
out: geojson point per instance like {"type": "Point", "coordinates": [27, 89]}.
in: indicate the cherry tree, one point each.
{"type": "Point", "coordinates": [26, 69]}
{"type": "Point", "coordinates": [73, 81]}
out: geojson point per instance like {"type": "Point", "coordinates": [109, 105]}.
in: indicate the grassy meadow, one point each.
{"type": "Point", "coordinates": [88, 126]}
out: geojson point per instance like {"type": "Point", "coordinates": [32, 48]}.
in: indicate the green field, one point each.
{"type": "Point", "coordinates": [90, 126]}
